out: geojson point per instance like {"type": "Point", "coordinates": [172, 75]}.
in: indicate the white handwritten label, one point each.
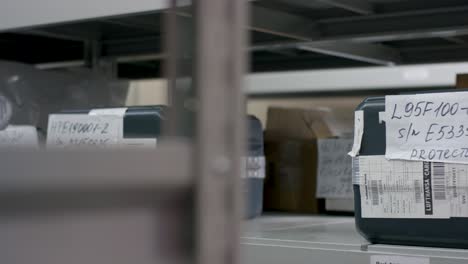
{"type": "Point", "coordinates": [427, 127]}
{"type": "Point", "coordinates": [383, 259]}
{"type": "Point", "coordinates": [19, 137]}
{"type": "Point", "coordinates": [334, 169]}
{"type": "Point", "coordinates": [358, 132]}
{"type": "Point", "coordinates": [72, 130]}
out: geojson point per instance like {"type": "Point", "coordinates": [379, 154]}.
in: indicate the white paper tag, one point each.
{"type": "Point", "coordinates": [382, 116]}
{"type": "Point", "coordinates": [72, 131]}
{"type": "Point", "coordinates": [427, 127]}
{"type": "Point", "coordinates": [402, 189]}
{"type": "Point", "coordinates": [254, 167]}
{"type": "Point", "coordinates": [334, 169]}
{"type": "Point", "coordinates": [383, 259]}
{"type": "Point", "coordinates": [358, 132]}
{"type": "Point", "coordinates": [19, 137]}
{"type": "Point", "coordinates": [109, 111]}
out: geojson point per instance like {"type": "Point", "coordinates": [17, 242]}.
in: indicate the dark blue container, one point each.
{"type": "Point", "coordinates": [255, 165]}
{"type": "Point", "coordinates": [147, 122]}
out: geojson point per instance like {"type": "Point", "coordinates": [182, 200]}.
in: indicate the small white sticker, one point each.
{"type": "Point", "coordinates": [109, 111]}
{"type": "Point", "coordinates": [427, 127]}
{"type": "Point", "coordinates": [355, 171]}
{"type": "Point", "coordinates": [382, 117]}
{"type": "Point", "coordinates": [254, 167]}
{"type": "Point", "coordinates": [72, 130]}
{"type": "Point", "coordinates": [358, 132]}
{"type": "Point", "coordinates": [383, 259]}
{"type": "Point", "coordinates": [19, 137]}
{"type": "Point", "coordinates": [456, 178]}
{"type": "Point", "coordinates": [334, 169]}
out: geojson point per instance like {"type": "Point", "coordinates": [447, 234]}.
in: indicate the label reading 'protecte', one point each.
{"type": "Point", "coordinates": [427, 127]}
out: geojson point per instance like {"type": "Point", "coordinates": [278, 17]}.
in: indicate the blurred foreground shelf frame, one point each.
{"type": "Point", "coordinates": [189, 190]}
{"type": "Point", "coordinates": [178, 204]}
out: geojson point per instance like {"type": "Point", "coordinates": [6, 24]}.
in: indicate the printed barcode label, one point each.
{"type": "Point", "coordinates": [355, 171]}
{"type": "Point", "coordinates": [375, 192]}
{"type": "Point", "coordinates": [418, 191]}
{"type": "Point", "coordinates": [407, 189]}
{"type": "Point", "coordinates": [439, 181]}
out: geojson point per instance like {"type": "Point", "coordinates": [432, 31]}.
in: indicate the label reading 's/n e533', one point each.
{"type": "Point", "coordinates": [427, 127]}
{"type": "Point", "coordinates": [383, 259]}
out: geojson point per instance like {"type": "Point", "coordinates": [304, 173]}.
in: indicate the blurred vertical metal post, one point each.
{"type": "Point", "coordinates": [178, 65]}
{"type": "Point", "coordinates": [170, 67]}
{"type": "Point", "coordinates": [219, 66]}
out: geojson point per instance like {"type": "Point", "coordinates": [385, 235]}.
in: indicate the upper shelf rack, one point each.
{"type": "Point", "coordinates": [285, 34]}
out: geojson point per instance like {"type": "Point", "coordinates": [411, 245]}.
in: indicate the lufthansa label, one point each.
{"type": "Point", "coordinates": [427, 180]}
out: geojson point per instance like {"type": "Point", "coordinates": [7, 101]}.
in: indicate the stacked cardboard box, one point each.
{"type": "Point", "coordinates": [291, 151]}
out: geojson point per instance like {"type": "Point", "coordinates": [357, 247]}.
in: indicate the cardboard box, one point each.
{"type": "Point", "coordinates": [291, 152]}
{"type": "Point", "coordinates": [462, 81]}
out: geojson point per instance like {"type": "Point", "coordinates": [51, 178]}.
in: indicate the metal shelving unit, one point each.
{"type": "Point", "coordinates": [177, 204]}
{"type": "Point", "coordinates": [286, 35]}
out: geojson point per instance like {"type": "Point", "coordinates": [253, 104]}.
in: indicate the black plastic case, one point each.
{"type": "Point", "coordinates": [451, 232]}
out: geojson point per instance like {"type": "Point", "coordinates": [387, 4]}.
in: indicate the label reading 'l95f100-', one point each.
{"type": "Point", "coordinates": [411, 189]}
{"type": "Point", "coordinates": [427, 127]}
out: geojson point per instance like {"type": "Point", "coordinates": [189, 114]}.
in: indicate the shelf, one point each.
{"type": "Point", "coordinates": [23, 13]}
{"type": "Point", "coordinates": [379, 78]}
{"type": "Point", "coordinates": [286, 35]}
{"type": "Point", "coordinates": [273, 239]}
